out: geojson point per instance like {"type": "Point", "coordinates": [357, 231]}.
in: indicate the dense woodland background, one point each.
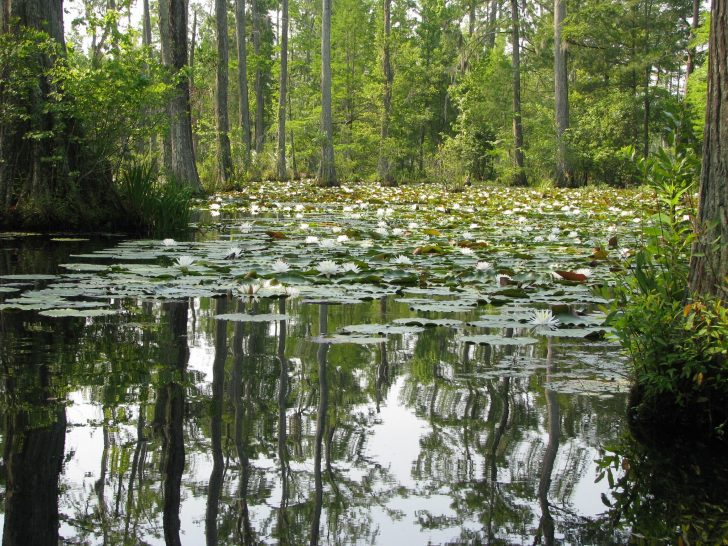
{"type": "Point", "coordinates": [453, 91]}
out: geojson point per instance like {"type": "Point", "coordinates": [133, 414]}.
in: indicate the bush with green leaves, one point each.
{"type": "Point", "coordinates": [678, 343]}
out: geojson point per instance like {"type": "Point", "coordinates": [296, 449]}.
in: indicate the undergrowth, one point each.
{"type": "Point", "coordinates": [678, 342]}
{"type": "Point", "coordinates": [154, 206]}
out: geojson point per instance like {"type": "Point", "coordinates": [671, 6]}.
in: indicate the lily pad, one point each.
{"type": "Point", "coordinates": [68, 312]}
{"type": "Point", "coordinates": [244, 317]}
{"type": "Point", "coordinates": [340, 339]}
{"type": "Point", "coordinates": [485, 339]}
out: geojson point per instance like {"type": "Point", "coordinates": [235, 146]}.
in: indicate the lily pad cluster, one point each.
{"type": "Point", "coordinates": [503, 251]}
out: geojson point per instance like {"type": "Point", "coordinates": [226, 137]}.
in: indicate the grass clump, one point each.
{"type": "Point", "coordinates": [154, 206]}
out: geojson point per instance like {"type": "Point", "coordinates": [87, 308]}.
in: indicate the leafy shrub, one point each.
{"type": "Point", "coordinates": [678, 344]}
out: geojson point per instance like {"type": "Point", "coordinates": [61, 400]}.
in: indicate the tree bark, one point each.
{"type": "Point", "coordinates": [259, 98]}
{"type": "Point", "coordinates": [225, 161]}
{"type": "Point", "coordinates": [243, 109]}
{"type": "Point", "coordinates": [51, 177]}
{"type": "Point", "coordinates": [327, 171]}
{"type": "Point", "coordinates": [709, 263]}
{"type": "Point", "coordinates": [384, 167]}
{"type": "Point", "coordinates": [281, 141]}
{"type": "Point", "coordinates": [691, 50]}
{"type": "Point", "coordinates": [146, 25]}
{"type": "Point", "coordinates": [173, 32]}
{"type": "Point", "coordinates": [564, 176]}
{"type": "Point", "coordinates": [519, 176]}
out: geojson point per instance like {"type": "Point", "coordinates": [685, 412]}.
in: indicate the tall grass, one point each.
{"type": "Point", "coordinates": [154, 206]}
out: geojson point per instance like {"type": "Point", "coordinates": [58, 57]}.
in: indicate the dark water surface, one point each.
{"type": "Point", "coordinates": [161, 424]}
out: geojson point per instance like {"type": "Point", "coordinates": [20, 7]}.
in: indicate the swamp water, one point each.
{"type": "Point", "coordinates": [200, 391]}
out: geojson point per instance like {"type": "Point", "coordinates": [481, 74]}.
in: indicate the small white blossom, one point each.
{"type": "Point", "coordinates": [401, 260]}
{"type": "Point", "coordinates": [544, 319]}
{"type": "Point", "coordinates": [397, 232]}
{"type": "Point", "coordinates": [350, 267]}
{"type": "Point", "coordinates": [483, 266]}
{"type": "Point", "coordinates": [185, 261]}
{"type": "Point", "coordinates": [245, 227]}
{"type": "Point", "coordinates": [342, 238]}
{"type": "Point", "coordinates": [169, 242]}
{"type": "Point", "coordinates": [281, 266]}
{"type": "Point", "coordinates": [584, 271]}
{"type": "Point", "coordinates": [466, 251]}
{"type": "Point", "coordinates": [312, 240]}
{"type": "Point", "coordinates": [327, 243]}
{"type": "Point", "coordinates": [327, 268]}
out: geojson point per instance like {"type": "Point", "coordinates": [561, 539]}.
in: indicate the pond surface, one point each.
{"type": "Point", "coordinates": [148, 400]}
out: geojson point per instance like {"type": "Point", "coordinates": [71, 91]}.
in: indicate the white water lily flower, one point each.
{"type": "Point", "coordinates": [553, 237]}
{"type": "Point", "coordinates": [327, 243]}
{"type": "Point", "coordinates": [483, 266]}
{"type": "Point", "coordinates": [538, 239]}
{"type": "Point", "coordinates": [382, 223]}
{"type": "Point", "coordinates": [327, 268]}
{"type": "Point", "coordinates": [466, 251]}
{"type": "Point", "coordinates": [381, 231]}
{"type": "Point", "coordinates": [584, 271]}
{"type": "Point", "coordinates": [413, 225]}
{"type": "Point", "coordinates": [312, 240]}
{"type": "Point", "coordinates": [336, 229]}
{"type": "Point", "coordinates": [350, 267]}
{"type": "Point", "coordinates": [304, 226]}
{"type": "Point", "coordinates": [169, 242]}
{"type": "Point", "coordinates": [233, 252]}
{"type": "Point", "coordinates": [280, 266]}
{"type": "Point", "coordinates": [397, 232]}
{"type": "Point", "coordinates": [544, 319]}
{"type": "Point", "coordinates": [298, 207]}
{"type": "Point", "coordinates": [215, 206]}
{"type": "Point", "coordinates": [246, 227]}
{"type": "Point", "coordinates": [467, 235]}
{"type": "Point", "coordinates": [401, 260]}
{"type": "Point", "coordinates": [248, 290]}
{"type": "Point", "coordinates": [367, 243]}
{"type": "Point", "coordinates": [342, 238]}
{"type": "Point", "coordinates": [185, 261]}
{"type": "Point", "coordinates": [573, 235]}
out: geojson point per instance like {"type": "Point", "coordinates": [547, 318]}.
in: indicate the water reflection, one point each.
{"type": "Point", "coordinates": [181, 428]}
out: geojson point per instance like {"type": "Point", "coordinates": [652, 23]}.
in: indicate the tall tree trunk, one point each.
{"type": "Point", "coordinates": [564, 176]}
{"type": "Point", "coordinates": [519, 176]}
{"type": "Point", "coordinates": [173, 32]}
{"type": "Point", "coordinates": [384, 168]}
{"type": "Point", "coordinates": [691, 50]}
{"type": "Point", "coordinates": [281, 142]}
{"type": "Point", "coordinates": [146, 25]}
{"type": "Point", "coordinates": [327, 171]}
{"type": "Point", "coordinates": [709, 263]}
{"type": "Point", "coordinates": [225, 161]}
{"type": "Point", "coordinates": [243, 109]}
{"type": "Point", "coordinates": [492, 24]}
{"type": "Point", "coordinates": [259, 99]}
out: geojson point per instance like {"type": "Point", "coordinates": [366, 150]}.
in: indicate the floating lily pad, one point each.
{"type": "Point", "coordinates": [244, 317]}
{"type": "Point", "coordinates": [381, 329]}
{"type": "Point", "coordinates": [486, 339]}
{"type": "Point", "coordinates": [29, 277]}
{"type": "Point", "coordinates": [422, 321]}
{"type": "Point", "coordinates": [68, 312]}
{"type": "Point", "coordinates": [343, 339]}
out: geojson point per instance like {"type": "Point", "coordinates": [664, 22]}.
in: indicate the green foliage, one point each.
{"type": "Point", "coordinates": [153, 207]}
{"type": "Point", "coordinates": [678, 345]}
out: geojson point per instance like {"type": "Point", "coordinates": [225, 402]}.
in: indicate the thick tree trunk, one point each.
{"type": "Point", "coordinates": [259, 98]}
{"type": "Point", "coordinates": [564, 176]}
{"type": "Point", "coordinates": [243, 109]}
{"type": "Point", "coordinates": [384, 167]}
{"type": "Point", "coordinates": [173, 32]}
{"type": "Point", "coordinates": [519, 176]}
{"type": "Point", "coordinates": [225, 161]}
{"type": "Point", "coordinates": [281, 142]}
{"type": "Point", "coordinates": [48, 180]}
{"type": "Point", "coordinates": [709, 263]}
{"type": "Point", "coordinates": [327, 171]}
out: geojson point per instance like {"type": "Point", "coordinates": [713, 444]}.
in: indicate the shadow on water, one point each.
{"type": "Point", "coordinates": [668, 493]}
